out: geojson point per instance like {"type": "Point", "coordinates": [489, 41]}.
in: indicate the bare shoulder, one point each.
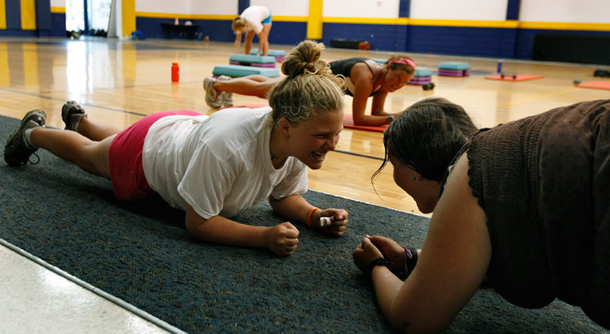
{"type": "Point", "coordinates": [362, 69]}
{"type": "Point", "coordinates": [454, 259]}
{"type": "Point", "coordinates": [457, 216]}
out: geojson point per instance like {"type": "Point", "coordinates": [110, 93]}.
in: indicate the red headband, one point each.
{"type": "Point", "coordinates": [405, 61]}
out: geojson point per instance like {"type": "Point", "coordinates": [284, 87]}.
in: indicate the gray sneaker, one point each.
{"type": "Point", "coordinates": [71, 114]}
{"type": "Point", "coordinates": [17, 151]}
{"type": "Point", "coordinates": [212, 97]}
{"type": "Point", "coordinates": [226, 98]}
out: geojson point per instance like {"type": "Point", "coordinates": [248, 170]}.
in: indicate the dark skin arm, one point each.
{"type": "Point", "coordinates": [451, 265]}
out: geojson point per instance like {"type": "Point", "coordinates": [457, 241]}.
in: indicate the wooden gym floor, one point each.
{"type": "Point", "coordinates": [118, 82]}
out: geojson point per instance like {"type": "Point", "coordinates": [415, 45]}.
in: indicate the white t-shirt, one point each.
{"type": "Point", "coordinates": [255, 15]}
{"type": "Point", "coordinates": [219, 165]}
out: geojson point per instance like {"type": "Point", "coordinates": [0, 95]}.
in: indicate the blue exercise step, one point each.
{"type": "Point", "coordinates": [279, 55]}
{"type": "Point", "coordinates": [454, 65]}
{"type": "Point", "coordinates": [250, 59]}
{"type": "Point", "coordinates": [270, 52]}
{"type": "Point", "coordinates": [422, 72]}
{"type": "Point", "coordinates": [235, 71]}
{"type": "Point", "coordinates": [454, 69]}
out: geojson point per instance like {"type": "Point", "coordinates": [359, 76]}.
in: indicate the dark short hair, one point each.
{"type": "Point", "coordinates": [427, 136]}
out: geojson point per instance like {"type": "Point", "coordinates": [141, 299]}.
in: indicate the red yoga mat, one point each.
{"type": "Point", "coordinates": [595, 85]}
{"type": "Point", "coordinates": [520, 77]}
{"type": "Point", "coordinates": [348, 123]}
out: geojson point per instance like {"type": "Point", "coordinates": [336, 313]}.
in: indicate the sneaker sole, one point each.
{"type": "Point", "coordinates": [66, 114]}
{"type": "Point", "coordinates": [25, 120]}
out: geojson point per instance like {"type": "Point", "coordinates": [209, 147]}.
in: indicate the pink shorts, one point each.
{"type": "Point", "coordinates": [125, 158]}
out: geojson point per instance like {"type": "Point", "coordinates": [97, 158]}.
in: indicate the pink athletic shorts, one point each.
{"type": "Point", "coordinates": [125, 158]}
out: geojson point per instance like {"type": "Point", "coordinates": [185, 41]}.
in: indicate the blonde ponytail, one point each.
{"type": "Point", "coordinates": [309, 87]}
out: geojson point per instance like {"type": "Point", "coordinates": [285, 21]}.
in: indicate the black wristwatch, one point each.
{"type": "Point", "coordinates": [380, 261]}
{"type": "Point", "coordinates": [391, 118]}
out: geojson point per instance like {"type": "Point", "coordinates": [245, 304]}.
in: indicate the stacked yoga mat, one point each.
{"type": "Point", "coordinates": [454, 69]}
{"type": "Point", "coordinates": [241, 65]}
{"type": "Point", "coordinates": [422, 76]}
{"type": "Point", "coordinates": [252, 60]}
{"type": "Point", "coordinates": [279, 55]}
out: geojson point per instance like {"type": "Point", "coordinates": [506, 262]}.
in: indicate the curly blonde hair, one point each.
{"type": "Point", "coordinates": [309, 88]}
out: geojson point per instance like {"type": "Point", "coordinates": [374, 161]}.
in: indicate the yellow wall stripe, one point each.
{"type": "Point", "coordinates": [187, 16]}
{"type": "Point", "coordinates": [57, 10]}
{"type": "Point", "coordinates": [28, 15]}
{"type": "Point", "coordinates": [156, 15]}
{"type": "Point", "coordinates": [213, 17]}
{"type": "Point", "coordinates": [465, 23]}
{"type": "Point", "coordinates": [314, 23]}
{"type": "Point", "coordinates": [511, 24]}
{"type": "Point", "coordinates": [364, 20]}
{"type": "Point", "coordinates": [565, 26]}
{"type": "Point", "coordinates": [2, 14]}
{"type": "Point", "coordinates": [28, 19]}
{"type": "Point", "coordinates": [128, 23]}
{"type": "Point", "coordinates": [290, 18]}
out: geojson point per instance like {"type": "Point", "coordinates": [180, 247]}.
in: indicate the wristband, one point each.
{"type": "Point", "coordinates": [410, 260]}
{"type": "Point", "coordinates": [308, 222]}
{"type": "Point", "coordinates": [409, 265]}
{"type": "Point", "coordinates": [380, 261]}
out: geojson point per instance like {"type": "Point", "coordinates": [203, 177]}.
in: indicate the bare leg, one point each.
{"type": "Point", "coordinates": [264, 39]}
{"type": "Point", "coordinates": [248, 42]}
{"type": "Point", "coordinates": [95, 131]}
{"type": "Point", "coordinates": [266, 47]}
{"type": "Point", "coordinates": [91, 156]}
{"type": "Point", "coordinates": [252, 85]}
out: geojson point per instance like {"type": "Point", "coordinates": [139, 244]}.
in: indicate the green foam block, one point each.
{"type": "Point", "coordinates": [242, 71]}
{"type": "Point", "coordinates": [423, 72]}
{"type": "Point", "coordinates": [454, 65]}
{"type": "Point", "coordinates": [250, 59]}
{"type": "Point", "coordinates": [273, 53]}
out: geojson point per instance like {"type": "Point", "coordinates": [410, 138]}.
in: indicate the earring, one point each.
{"type": "Point", "coordinates": [415, 179]}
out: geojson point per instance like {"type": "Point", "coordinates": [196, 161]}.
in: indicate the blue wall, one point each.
{"type": "Point", "coordinates": [450, 40]}
{"type": "Point", "coordinates": [290, 33]}
{"type": "Point", "coordinates": [464, 41]}
{"type": "Point", "coordinates": [58, 25]}
{"type": "Point", "coordinates": [386, 37]}
{"type": "Point", "coordinates": [525, 39]}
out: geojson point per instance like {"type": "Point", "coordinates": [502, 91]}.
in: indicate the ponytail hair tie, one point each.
{"type": "Point", "coordinates": [404, 61]}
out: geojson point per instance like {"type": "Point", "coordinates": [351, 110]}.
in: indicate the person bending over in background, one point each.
{"type": "Point", "coordinates": [253, 20]}
{"type": "Point", "coordinates": [524, 205]}
{"type": "Point", "coordinates": [214, 167]}
{"type": "Point", "coordinates": [364, 78]}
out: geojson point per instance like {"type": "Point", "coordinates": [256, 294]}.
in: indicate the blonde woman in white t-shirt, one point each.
{"type": "Point", "coordinates": [214, 167]}
{"type": "Point", "coordinates": [254, 20]}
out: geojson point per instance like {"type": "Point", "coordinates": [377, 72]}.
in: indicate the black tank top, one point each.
{"type": "Point", "coordinates": [344, 67]}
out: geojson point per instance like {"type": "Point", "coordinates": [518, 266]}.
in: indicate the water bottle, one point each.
{"type": "Point", "coordinates": [500, 66]}
{"type": "Point", "coordinates": [175, 72]}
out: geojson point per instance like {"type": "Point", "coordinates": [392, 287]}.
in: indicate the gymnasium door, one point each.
{"type": "Point", "coordinates": [88, 17]}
